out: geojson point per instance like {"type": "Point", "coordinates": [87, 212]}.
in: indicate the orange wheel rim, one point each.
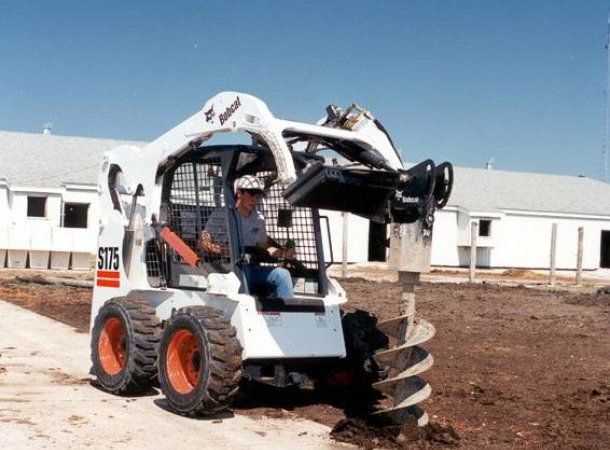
{"type": "Point", "coordinates": [111, 346]}
{"type": "Point", "coordinates": [183, 361]}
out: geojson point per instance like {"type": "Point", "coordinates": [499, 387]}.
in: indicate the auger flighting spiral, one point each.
{"type": "Point", "coordinates": [410, 255]}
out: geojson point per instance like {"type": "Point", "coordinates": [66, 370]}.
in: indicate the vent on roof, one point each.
{"type": "Point", "coordinates": [47, 128]}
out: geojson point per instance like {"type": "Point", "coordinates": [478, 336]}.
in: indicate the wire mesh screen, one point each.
{"type": "Point", "coordinates": [285, 222]}
{"type": "Point", "coordinates": [153, 263]}
{"type": "Point", "coordinates": [196, 204]}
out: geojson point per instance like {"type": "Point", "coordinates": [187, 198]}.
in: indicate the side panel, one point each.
{"type": "Point", "coordinates": [265, 335]}
{"type": "Point", "coordinates": [291, 334]}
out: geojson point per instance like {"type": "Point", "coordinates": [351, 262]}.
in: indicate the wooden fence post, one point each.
{"type": "Point", "coordinates": [553, 254]}
{"type": "Point", "coordinates": [474, 226]}
{"type": "Point", "coordinates": [581, 232]}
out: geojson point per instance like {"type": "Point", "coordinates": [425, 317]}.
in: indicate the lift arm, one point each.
{"type": "Point", "coordinates": [354, 133]}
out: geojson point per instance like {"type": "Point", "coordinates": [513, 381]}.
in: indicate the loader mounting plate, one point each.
{"type": "Point", "coordinates": [359, 191]}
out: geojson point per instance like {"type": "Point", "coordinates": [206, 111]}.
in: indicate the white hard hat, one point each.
{"type": "Point", "coordinates": [250, 183]}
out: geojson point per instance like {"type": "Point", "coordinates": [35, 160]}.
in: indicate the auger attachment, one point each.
{"type": "Point", "coordinates": [409, 254]}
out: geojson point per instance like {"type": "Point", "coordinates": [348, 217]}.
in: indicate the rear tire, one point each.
{"type": "Point", "coordinates": [199, 361]}
{"type": "Point", "coordinates": [124, 344]}
{"type": "Point", "coordinates": [362, 339]}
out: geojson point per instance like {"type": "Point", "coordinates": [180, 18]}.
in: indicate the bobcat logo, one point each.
{"type": "Point", "coordinates": [224, 116]}
{"type": "Point", "coordinates": [209, 114]}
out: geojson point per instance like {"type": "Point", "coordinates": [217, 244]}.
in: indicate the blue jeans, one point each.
{"type": "Point", "coordinates": [277, 279]}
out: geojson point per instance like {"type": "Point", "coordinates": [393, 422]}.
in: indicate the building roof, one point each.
{"type": "Point", "coordinates": [497, 190]}
{"type": "Point", "coordinates": [37, 160]}
{"type": "Point", "coordinates": [49, 161]}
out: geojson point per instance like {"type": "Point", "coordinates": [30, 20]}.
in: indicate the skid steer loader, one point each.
{"type": "Point", "coordinates": [165, 311]}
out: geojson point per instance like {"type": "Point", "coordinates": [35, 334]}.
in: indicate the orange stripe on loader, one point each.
{"type": "Point", "coordinates": [180, 247]}
{"type": "Point", "coordinates": [108, 274]}
{"type": "Point", "coordinates": [103, 282]}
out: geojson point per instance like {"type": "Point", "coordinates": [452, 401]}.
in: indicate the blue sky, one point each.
{"type": "Point", "coordinates": [464, 81]}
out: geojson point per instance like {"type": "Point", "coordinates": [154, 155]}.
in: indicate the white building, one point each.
{"type": "Point", "coordinates": [515, 212]}
{"type": "Point", "coordinates": [48, 199]}
{"type": "Point", "coordinates": [48, 210]}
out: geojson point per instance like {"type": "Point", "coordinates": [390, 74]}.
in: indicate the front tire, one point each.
{"type": "Point", "coordinates": [124, 344]}
{"type": "Point", "coordinates": [199, 361]}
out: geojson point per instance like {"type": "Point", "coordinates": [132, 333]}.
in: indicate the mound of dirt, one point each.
{"type": "Point", "coordinates": [596, 398]}
{"type": "Point", "coordinates": [605, 290]}
{"type": "Point", "coordinates": [369, 436]}
{"type": "Point", "coordinates": [601, 298]}
{"type": "Point", "coordinates": [522, 273]}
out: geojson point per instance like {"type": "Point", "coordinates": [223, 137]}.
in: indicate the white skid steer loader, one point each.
{"type": "Point", "coordinates": [165, 309]}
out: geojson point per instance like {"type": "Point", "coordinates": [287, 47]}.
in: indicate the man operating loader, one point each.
{"type": "Point", "coordinates": [249, 191]}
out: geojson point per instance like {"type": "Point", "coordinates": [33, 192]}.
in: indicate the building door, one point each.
{"type": "Point", "coordinates": [377, 239]}
{"type": "Point", "coordinates": [604, 260]}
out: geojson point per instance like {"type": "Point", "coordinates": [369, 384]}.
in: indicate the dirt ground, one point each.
{"type": "Point", "coordinates": [69, 305]}
{"type": "Point", "coordinates": [514, 366]}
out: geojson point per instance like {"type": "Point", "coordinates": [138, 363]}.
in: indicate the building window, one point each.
{"type": "Point", "coordinates": [75, 215]}
{"type": "Point", "coordinates": [37, 206]}
{"type": "Point", "coordinates": [484, 228]}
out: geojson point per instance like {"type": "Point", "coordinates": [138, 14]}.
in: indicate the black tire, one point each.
{"type": "Point", "coordinates": [362, 339]}
{"type": "Point", "coordinates": [124, 345]}
{"type": "Point", "coordinates": [199, 361]}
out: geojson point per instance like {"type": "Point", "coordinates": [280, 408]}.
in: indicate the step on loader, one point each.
{"type": "Point", "coordinates": [168, 309]}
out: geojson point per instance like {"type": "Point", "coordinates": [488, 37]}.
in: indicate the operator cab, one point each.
{"type": "Point", "coordinates": [198, 194]}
